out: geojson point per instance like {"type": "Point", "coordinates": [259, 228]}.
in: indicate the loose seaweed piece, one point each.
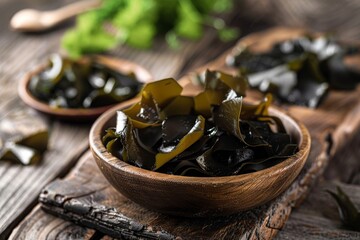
{"type": "Point", "coordinates": [349, 214]}
{"type": "Point", "coordinates": [299, 71]}
{"type": "Point", "coordinates": [214, 133]}
{"type": "Point", "coordinates": [85, 83]}
{"type": "Point", "coordinates": [23, 137]}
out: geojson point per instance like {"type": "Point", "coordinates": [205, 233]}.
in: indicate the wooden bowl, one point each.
{"type": "Point", "coordinates": [80, 114]}
{"type": "Point", "coordinates": [199, 196]}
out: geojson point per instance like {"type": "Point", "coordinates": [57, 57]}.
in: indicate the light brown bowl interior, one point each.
{"type": "Point", "coordinates": [199, 196]}
{"type": "Point", "coordinates": [80, 114]}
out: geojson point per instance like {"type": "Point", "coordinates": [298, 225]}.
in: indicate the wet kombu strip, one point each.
{"type": "Point", "coordinates": [215, 133]}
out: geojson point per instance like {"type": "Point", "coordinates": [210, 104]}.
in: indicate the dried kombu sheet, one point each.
{"type": "Point", "coordinates": [85, 83]}
{"type": "Point", "coordinates": [298, 71]}
{"type": "Point", "coordinates": [23, 137]}
{"type": "Point", "coordinates": [214, 133]}
{"type": "Point", "coordinates": [349, 214]}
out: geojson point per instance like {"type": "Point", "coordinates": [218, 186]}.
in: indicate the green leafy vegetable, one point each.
{"type": "Point", "coordinates": [349, 214]}
{"type": "Point", "coordinates": [298, 71]}
{"type": "Point", "coordinates": [138, 22]}
{"type": "Point", "coordinates": [189, 21]}
{"type": "Point", "coordinates": [214, 133]}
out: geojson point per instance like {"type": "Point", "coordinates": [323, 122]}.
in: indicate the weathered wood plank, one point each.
{"type": "Point", "coordinates": [21, 185]}
{"type": "Point", "coordinates": [318, 217]}
{"type": "Point", "coordinates": [321, 15]}
{"type": "Point", "coordinates": [345, 164]}
{"type": "Point", "coordinates": [90, 184]}
{"type": "Point", "coordinates": [45, 226]}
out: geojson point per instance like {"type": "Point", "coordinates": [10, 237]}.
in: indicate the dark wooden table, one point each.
{"type": "Point", "coordinates": [20, 186]}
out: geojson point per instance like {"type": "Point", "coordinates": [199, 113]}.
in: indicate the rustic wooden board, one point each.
{"type": "Point", "coordinates": [318, 217]}
{"type": "Point", "coordinates": [339, 17]}
{"type": "Point", "coordinates": [86, 198]}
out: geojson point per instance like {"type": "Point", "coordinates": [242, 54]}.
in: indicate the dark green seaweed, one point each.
{"type": "Point", "coordinates": [67, 83]}
{"type": "Point", "coordinates": [298, 71]}
{"type": "Point", "coordinates": [23, 137]}
{"type": "Point", "coordinates": [214, 133]}
{"type": "Point", "coordinates": [349, 214]}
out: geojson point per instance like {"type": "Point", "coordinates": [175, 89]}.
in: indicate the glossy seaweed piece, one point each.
{"type": "Point", "coordinates": [82, 84]}
{"type": "Point", "coordinates": [299, 71]}
{"type": "Point", "coordinates": [23, 137]}
{"type": "Point", "coordinates": [211, 134]}
{"type": "Point", "coordinates": [349, 213]}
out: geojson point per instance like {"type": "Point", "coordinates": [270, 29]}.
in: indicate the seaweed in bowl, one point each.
{"type": "Point", "coordinates": [298, 71]}
{"type": "Point", "coordinates": [85, 83]}
{"type": "Point", "coordinates": [215, 133]}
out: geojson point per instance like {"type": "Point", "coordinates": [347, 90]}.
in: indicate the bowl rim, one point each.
{"type": "Point", "coordinates": [116, 64]}
{"type": "Point", "coordinates": [102, 154]}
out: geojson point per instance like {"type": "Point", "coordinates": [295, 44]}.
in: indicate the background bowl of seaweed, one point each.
{"type": "Point", "coordinates": [80, 114]}
{"type": "Point", "coordinates": [199, 196]}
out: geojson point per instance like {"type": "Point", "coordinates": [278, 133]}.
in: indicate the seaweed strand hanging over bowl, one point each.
{"type": "Point", "coordinates": [298, 71]}
{"type": "Point", "coordinates": [214, 133]}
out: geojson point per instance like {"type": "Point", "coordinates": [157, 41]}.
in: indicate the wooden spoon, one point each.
{"type": "Point", "coordinates": [30, 20]}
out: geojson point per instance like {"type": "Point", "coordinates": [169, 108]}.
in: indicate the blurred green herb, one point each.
{"type": "Point", "coordinates": [137, 22]}
{"type": "Point", "coordinates": [349, 214]}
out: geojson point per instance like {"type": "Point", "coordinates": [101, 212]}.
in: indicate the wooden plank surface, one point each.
{"type": "Point", "coordinates": [92, 191]}
{"type": "Point", "coordinates": [318, 216]}
{"type": "Point", "coordinates": [338, 17]}
{"type": "Point", "coordinates": [19, 185]}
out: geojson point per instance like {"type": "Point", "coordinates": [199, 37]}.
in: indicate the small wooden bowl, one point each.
{"type": "Point", "coordinates": [80, 114]}
{"type": "Point", "coordinates": [199, 196]}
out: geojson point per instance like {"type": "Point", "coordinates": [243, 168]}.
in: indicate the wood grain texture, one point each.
{"type": "Point", "coordinates": [46, 226]}
{"type": "Point", "coordinates": [338, 17]}
{"type": "Point", "coordinates": [93, 193]}
{"type": "Point", "coordinates": [345, 164]}
{"type": "Point", "coordinates": [318, 216]}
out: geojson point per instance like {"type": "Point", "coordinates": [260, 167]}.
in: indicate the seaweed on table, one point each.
{"type": "Point", "coordinates": [349, 213]}
{"type": "Point", "coordinates": [298, 71]}
{"type": "Point", "coordinates": [23, 137]}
